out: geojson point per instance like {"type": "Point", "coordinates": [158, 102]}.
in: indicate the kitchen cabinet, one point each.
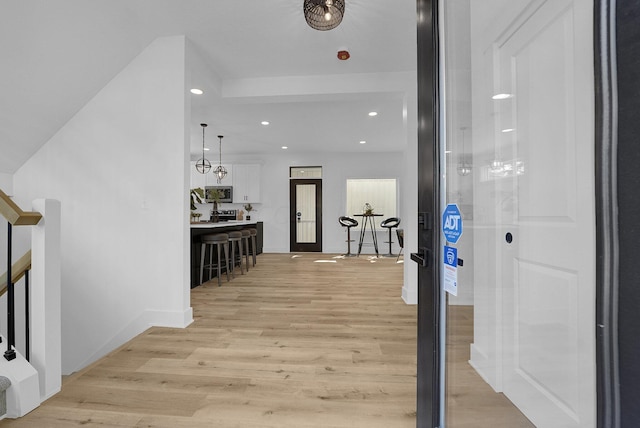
{"type": "Point", "coordinates": [208, 179]}
{"type": "Point", "coordinates": [246, 183]}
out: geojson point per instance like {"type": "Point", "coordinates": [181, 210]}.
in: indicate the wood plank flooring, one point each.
{"type": "Point", "coordinates": [292, 343]}
{"type": "Point", "coordinates": [469, 398]}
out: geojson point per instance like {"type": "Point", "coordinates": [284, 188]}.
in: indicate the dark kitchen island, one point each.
{"type": "Point", "coordinates": [205, 228]}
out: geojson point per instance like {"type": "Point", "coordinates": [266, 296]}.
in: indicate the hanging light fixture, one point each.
{"type": "Point", "coordinates": [463, 167]}
{"type": "Point", "coordinates": [323, 15]}
{"type": "Point", "coordinates": [203, 165]}
{"type": "Point", "coordinates": [220, 172]}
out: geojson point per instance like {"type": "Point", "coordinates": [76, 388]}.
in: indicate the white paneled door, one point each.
{"type": "Point", "coordinates": [544, 60]}
{"type": "Point", "coordinates": [529, 206]}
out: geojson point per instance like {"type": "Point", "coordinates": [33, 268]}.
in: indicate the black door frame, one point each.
{"type": "Point", "coordinates": [429, 381]}
{"type": "Point", "coordinates": [305, 247]}
{"type": "Point", "coordinates": [617, 47]}
{"type": "Point", "coordinates": [617, 177]}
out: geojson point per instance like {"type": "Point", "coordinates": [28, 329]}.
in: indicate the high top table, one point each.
{"type": "Point", "coordinates": [368, 220]}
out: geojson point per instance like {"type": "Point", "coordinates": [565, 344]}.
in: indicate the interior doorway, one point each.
{"type": "Point", "coordinates": [305, 202]}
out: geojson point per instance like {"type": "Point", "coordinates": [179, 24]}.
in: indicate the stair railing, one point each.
{"type": "Point", "coordinates": [18, 270]}
{"type": "Point", "coordinates": [15, 217]}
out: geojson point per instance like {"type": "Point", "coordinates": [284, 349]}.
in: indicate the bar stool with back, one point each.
{"type": "Point", "coordinates": [348, 222]}
{"type": "Point", "coordinates": [400, 234]}
{"type": "Point", "coordinates": [389, 224]}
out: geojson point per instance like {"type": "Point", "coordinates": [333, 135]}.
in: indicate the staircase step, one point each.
{"type": "Point", "coordinates": [5, 383]}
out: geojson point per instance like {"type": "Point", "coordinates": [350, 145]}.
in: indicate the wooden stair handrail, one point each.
{"type": "Point", "coordinates": [15, 215]}
{"type": "Point", "coordinates": [18, 270]}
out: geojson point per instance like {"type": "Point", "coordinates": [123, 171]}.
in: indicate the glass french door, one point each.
{"type": "Point", "coordinates": [518, 156]}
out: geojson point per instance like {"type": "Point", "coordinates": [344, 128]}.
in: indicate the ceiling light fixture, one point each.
{"type": "Point", "coordinates": [197, 91]}
{"type": "Point", "coordinates": [284, 147]}
{"type": "Point", "coordinates": [220, 172]}
{"type": "Point", "coordinates": [501, 96]}
{"type": "Point", "coordinates": [265, 122]}
{"type": "Point", "coordinates": [323, 15]}
{"type": "Point", "coordinates": [363, 142]}
{"type": "Point", "coordinates": [373, 113]}
{"type": "Point", "coordinates": [203, 165]}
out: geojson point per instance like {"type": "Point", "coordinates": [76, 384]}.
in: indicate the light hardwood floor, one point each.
{"type": "Point", "coordinates": [471, 402]}
{"type": "Point", "coordinates": [292, 343]}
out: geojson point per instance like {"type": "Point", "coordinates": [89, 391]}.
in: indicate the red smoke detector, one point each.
{"type": "Point", "coordinates": [343, 55]}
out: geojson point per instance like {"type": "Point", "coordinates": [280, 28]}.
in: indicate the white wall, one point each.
{"type": "Point", "coordinates": [410, 196]}
{"type": "Point", "coordinates": [6, 183]}
{"type": "Point", "coordinates": [336, 169]}
{"type": "Point", "coordinates": [119, 168]}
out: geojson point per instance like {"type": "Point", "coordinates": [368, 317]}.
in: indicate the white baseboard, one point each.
{"type": "Point", "coordinates": [145, 321]}
{"type": "Point", "coordinates": [409, 298]}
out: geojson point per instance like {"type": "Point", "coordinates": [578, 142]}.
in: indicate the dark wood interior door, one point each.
{"type": "Point", "coordinates": [305, 201]}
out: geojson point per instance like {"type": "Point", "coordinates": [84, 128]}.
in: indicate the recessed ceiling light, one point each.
{"type": "Point", "coordinates": [284, 147]}
{"type": "Point", "coordinates": [373, 113]}
{"type": "Point", "coordinates": [206, 149]}
{"type": "Point", "coordinates": [197, 91]}
{"type": "Point", "coordinates": [265, 122]}
{"type": "Point", "coordinates": [501, 96]}
{"type": "Point", "coordinates": [508, 130]}
{"type": "Point", "coordinates": [363, 142]}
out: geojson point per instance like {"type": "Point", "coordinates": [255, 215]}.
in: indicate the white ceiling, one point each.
{"type": "Point", "coordinates": [57, 54]}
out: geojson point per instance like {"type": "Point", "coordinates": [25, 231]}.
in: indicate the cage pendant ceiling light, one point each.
{"type": "Point", "coordinates": [220, 172]}
{"type": "Point", "coordinates": [323, 15]}
{"type": "Point", "coordinates": [203, 165]}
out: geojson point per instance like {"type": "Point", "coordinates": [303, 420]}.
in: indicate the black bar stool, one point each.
{"type": "Point", "coordinates": [235, 237]}
{"type": "Point", "coordinates": [254, 245]}
{"type": "Point", "coordinates": [390, 223]}
{"type": "Point", "coordinates": [246, 236]}
{"type": "Point", "coordinates": [400, 234]}
{"type": "Point", "coordinates": [348, 222]}
{"type": "Point", "coordinates": [221, 242]}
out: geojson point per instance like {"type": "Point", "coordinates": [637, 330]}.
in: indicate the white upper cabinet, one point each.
{"type": "Point", "coordinates": [246, 183]}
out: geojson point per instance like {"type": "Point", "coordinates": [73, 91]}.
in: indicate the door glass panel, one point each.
{"type": "Point", "coordinates": [306, 213]}
{"type": "Point", "coordinates": [518, 155]}
{"type": "Point", "coordinates": [305, 172]}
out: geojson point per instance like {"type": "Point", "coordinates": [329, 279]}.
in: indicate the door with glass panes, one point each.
{"type": "Point", "coordinates": [519, 145]}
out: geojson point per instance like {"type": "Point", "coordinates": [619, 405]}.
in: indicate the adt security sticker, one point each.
{"type": "Point", "coordinates": [452, 223]}
{"type": "Point", "coordinates": [451, 270]}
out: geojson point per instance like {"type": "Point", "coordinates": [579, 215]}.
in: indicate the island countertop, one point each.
{"type": "Point", "coordinates": [229, 223]}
